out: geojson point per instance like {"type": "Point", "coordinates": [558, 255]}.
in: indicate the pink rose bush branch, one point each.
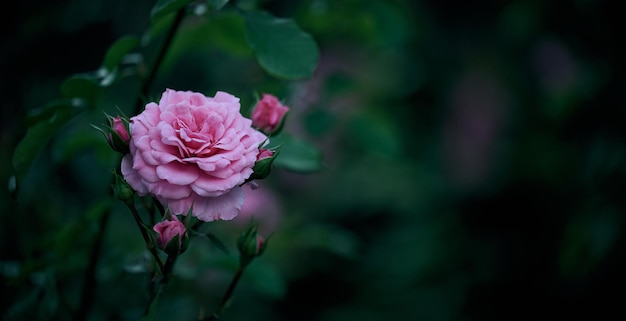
{"type": "Point", "coordinates": [192, 154]}
{"type": "Point", "coordinates": [187, 155]}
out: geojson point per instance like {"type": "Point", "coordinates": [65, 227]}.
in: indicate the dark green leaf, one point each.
{"type": "Point", "coordinates": [164, 7]}
{"type": "Point", "coordinates": [376, 133]}
{"type": "Point", "coordinates": [70, 146]}
{"type": "Point", "coordinates": [319, 121]}
{"type": "Point", "coordinates": [84, 86]}
{"type": "Point", "coordinates": [40, 303]}
{"type": "Point", "coordinates": [98, 209]}
{"type": "Point", "coordinates": [151, 313]}
{"type": "Point", "coordinates": [297, 155]}
{"type": "Point", "coordinates": [280, 46]}
{"type": "Point", "coordinates": [266, 279]}
{"type": "Point", "coordinates": [47, 111]}
{"type": "Point", "coordinates": [217, 243]}
{"type": "Point", "coordinates": [225, 31]}
{"type": "Point", "coordinates": [217, 4]}
{"type": "Point", "coordinates": [37, 137]}
{"type": "Point", "coordinates": [118, 50]}
{"type": "Point", "coordinates": [329, 238]}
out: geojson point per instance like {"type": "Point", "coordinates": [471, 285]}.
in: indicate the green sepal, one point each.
{"type": "Point", "coordinates": [263, 167]}
{"type": "Point", "coordinates": [121, 190]}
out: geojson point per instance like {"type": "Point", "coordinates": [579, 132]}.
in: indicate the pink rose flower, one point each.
{"type": "Point", "coordinates": [268, 114]}
{"type": "Point", "coordinates": [193, 151]}
{"type": "Point", "coordinates": [168, 229]}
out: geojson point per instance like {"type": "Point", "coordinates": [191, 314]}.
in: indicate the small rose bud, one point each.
{"type": "Point", "coordinates": [269, 115]}
{"type": "Point", "coordinates": [264, 153]}
{"type": "Point", "coordinates": [172, 236]}
{"type": "Point", "coordinates": [119, 127]}
{"type": "Point", "coordinates": [116, 134]}
{"type": "Point", "coordinates": [250, 245]}
{"type": "Point", "coordinates": [121, 190]}
{"type": "Point", "coordinates": [264, 162]}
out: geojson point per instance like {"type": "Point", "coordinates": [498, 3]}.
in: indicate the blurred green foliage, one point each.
{"type": "Point", "coordinates": [473, 161]}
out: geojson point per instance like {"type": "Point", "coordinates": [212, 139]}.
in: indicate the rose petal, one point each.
{"type": "Point", "coordinates": [225, 207]}
{"type": "Point", "coordinates": [177, 173]}
{"type": "Point", "coordinates": [170, 191]}
{"type": "Point", "coordinates": [210, 186]}
{"type": "Point", "coordinates": [132, 176]}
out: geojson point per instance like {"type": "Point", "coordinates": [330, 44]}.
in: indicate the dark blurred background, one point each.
{"type": "Point", "coordinates": [474, 160]}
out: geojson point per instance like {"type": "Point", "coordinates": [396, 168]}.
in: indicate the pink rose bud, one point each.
{"type": "Point", "coordinates": [264, 153]}
{"type": "Point", "coordinates": [116, 134]}
{"type": "Point", "coordinates": [250, 245]}
{"type": "Point", "coordinates": [171, 235]}
{"type": "Point", "coordinates": [268, 115]}
{"type": "Point", "coordinates": [120, 128]}
{"type": "Point", "coordinates": [260, 245]}
{"type": "Point", "coordinates": [264, 163]}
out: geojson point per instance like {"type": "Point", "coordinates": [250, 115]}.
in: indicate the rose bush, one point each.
{"type": "Point", "coordinates": [193, 152]}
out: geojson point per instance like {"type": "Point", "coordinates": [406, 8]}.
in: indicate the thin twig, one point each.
{"type": "Point", "coordinates": [89, 283]}
{"type": "Point", "coordinates": [146, 237]}
{"type": "Point", "coordinates": [227, 295]}
{"type": "Point", "coordinates": [145, 86]}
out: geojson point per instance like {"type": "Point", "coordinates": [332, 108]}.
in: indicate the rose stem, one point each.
{"type": "Point", "coordinates": [227, 294]}
{"type": "Point", "coordinates": [89, 283]}
{"type": "Point", "coordinates": [163, 280]}
{"type": "Point", "coordinates": [146, 237]}
{"type": "Point", "coordinates": [145, 86]}
{"type": "Point", "coordinates": [150, 209]}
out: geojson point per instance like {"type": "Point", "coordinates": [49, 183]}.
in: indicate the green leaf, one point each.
{"type": "Point", "coordinates": [217, 243]}
{"type": "Point", "coordinates": [296, 154]}
{"type": "Point", "coordinates": [376, 133]}
{"type": "Point", "coordinates": [47, 111]}
{"type": "Point", "coordinates": [217, 4]}
{"type": "Point", "coordinates": [38, 136]}
{"type": "Point", "coordinates": [330, 238]}
{"type": "Point", "coordinates": [280, 46]}
{"type": "Point", "coordinates": [151, 313]}
{"type": "Point", "coordinates": [118, 50]}
{"type": "Point", "coordinates": [266, 279]}
{"type": "Point", "coordinates": [164, 7]}
{"type": "Point", "coordinates": [98, 209]}
{"type": "Point", "coordinates": [71, 146]}
{"type": "Point", "coordinates": [85, 86]}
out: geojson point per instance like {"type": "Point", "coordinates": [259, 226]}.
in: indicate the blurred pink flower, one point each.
{"type": "Point", "coordinates": [268, 114]}
{"type": "Point", "coordinates": [262, 206]}
{"type": "Point", "coordinates": [192, 150]}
